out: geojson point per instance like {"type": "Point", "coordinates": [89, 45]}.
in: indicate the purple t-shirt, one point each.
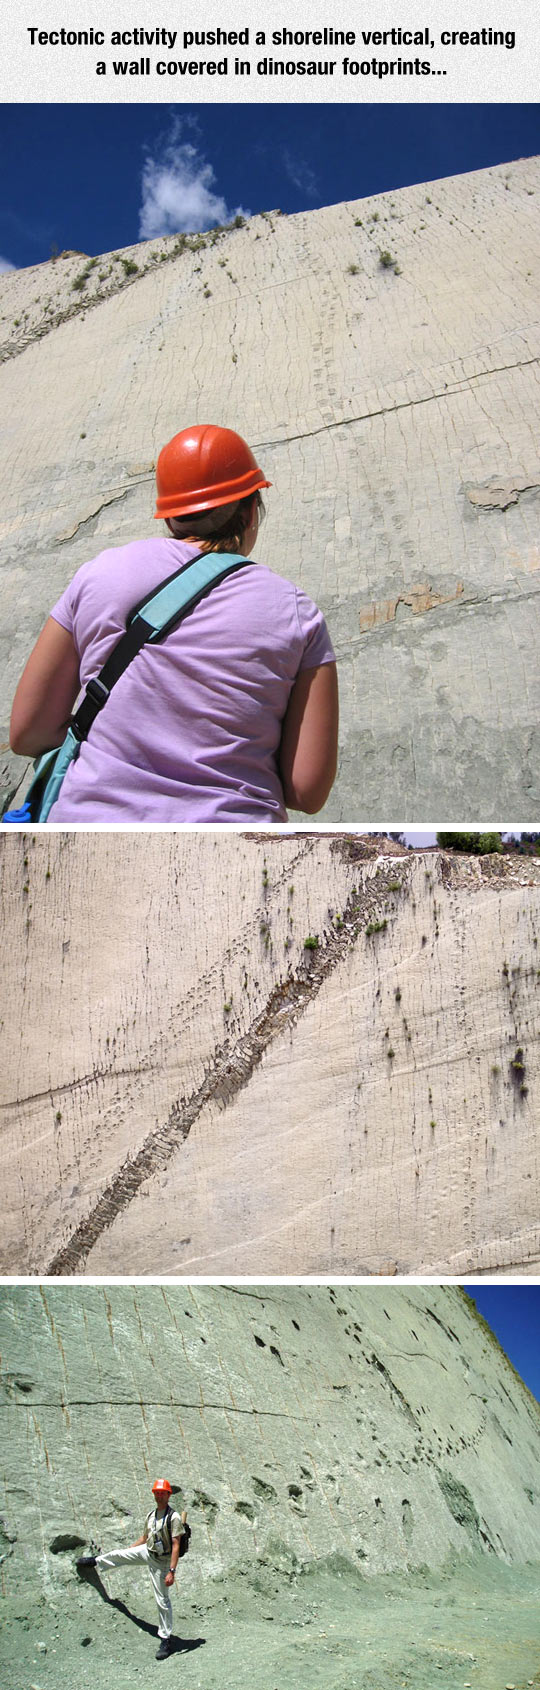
{"type": "Point", "coordinates": [192, 729]}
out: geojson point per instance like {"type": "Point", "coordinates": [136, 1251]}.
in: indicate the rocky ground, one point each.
{"type": "Point", "coordinates": [474, 1627]}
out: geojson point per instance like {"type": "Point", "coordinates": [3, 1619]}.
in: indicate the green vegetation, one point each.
{"type": "Point", "coordinates": [528, 845]}
{"type": "Point", "coordinates": [312, 942]}
{"type": "Point", "coordinates": [376, 927]}
{"type": "Point", "coordinates": [480, 844]}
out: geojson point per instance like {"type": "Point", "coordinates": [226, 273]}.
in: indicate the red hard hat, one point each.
{"type": "Point", "coordinates": [163, 1485]}
{"type": "Point", "coordinates": [203, 467]}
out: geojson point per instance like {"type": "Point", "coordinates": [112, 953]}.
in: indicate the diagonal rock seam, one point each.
{"type": "Point", "coordinates": [460, 386]}
{"type": "Point", "coordinates": [231, 1070]}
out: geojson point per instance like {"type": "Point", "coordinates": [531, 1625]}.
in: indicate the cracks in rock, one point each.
{"type": "Point", "coordinates": [107, 1070]}
{"type": "Point", "coordinates": [135, 1402]}
{"type": "Point", "coordinates": [401, 405]}
{"type": "Point", "coordinates": [437, 614]}
{"type": "Point", "coordinates": [56, 1094]}
{"type": "Point", "coordinates": [89, 302]}
{"type": "Point", "coordinates": [87, 521]}
{"type": "Point", "coordinates": [78, 308]}
{"type": "Point", "coordinates": [496, 496]}
{"type": "Point", "coordinates": [230, 1070]}
{"type": "Point", "coordinates": [418, 598]}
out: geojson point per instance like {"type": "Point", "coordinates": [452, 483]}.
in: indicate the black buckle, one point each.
{"type": "Point", "coordinates": [97, 692]}
{"type": "Point", "coordinates": [95, 697]}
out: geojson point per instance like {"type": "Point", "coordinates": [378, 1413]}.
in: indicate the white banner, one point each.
{"type": "Point", "coordinates": [132, 52]}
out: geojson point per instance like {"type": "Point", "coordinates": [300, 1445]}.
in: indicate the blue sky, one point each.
{"type": "Point", "coordinates": [99, 177]}
{"type": "Point", "coordinates": [513, 1313]}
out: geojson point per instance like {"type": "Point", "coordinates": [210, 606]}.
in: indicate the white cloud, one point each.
{"type": "Point", "coordinates": [300, 173]}
{"type": "Point", "coordinates": [178, 191]}
{"type": "Point", "coordinates": [5, 264]}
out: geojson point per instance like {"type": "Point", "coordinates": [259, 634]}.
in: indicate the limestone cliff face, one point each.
{"type": "Point", "coordinates": [381, 357]}
{"type": "Point", "coordinates": [314, 1060]}
{"type": "Point", "coordinates": [381, 1424]}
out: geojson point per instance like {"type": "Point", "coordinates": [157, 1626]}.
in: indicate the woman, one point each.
{"type": "Point", "coordinates": [234, 715]}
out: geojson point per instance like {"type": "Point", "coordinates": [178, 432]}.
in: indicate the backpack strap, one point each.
{"type": "Point", "coordinates": [151, 620]}
{"type": "Point", "coordinates": [164, 1529]}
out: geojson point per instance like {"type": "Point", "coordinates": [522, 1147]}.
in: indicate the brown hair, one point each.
{"type": "Point", "coordinates": [218, 530]}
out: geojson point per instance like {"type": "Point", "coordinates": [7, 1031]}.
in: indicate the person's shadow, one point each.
{"type": "Point", "coordinates": [179, 1645]}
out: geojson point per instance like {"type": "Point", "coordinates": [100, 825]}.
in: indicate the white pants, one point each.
{"type": "Point", "coordinates": [157, 1567]}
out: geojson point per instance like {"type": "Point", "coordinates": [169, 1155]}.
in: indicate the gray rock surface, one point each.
{"type": "Point", "coordinates": [381, 1424]}
{"type": "Point", "coordinates": [309, 1057]}
{"type": "Point", "coordinates": [382, 358]}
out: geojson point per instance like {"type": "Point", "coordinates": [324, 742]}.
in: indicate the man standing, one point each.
{"type": "Point", "coordinates": [165, 1537]}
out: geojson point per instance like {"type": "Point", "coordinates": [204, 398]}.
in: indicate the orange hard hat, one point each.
{"type": "Point", "coordinates": [204, 467]}
{"type": "Point", "coordinates": [162, 1485]}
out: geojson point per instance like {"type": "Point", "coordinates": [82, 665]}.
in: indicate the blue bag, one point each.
{"type": "Point", "coordinates": [148, 622]}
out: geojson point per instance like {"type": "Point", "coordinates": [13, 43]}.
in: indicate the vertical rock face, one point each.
{"type": "Point", "coordinates": [382, 1424]}
{"type": "Point", "coordinates": [381, 357]}
{"type": "Point", "coordinates": [270, 1056]}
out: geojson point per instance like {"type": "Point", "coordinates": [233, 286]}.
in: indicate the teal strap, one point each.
{"type": "Point", "coordinates": [189, 586]}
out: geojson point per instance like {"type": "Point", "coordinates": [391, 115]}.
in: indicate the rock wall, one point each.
{"type": "Point", "coordinates": [230, 1054]}
{"type": "Point", "coordinates": [382, 358]}
{"type": "Point", "coordinates": [383, 1425]}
